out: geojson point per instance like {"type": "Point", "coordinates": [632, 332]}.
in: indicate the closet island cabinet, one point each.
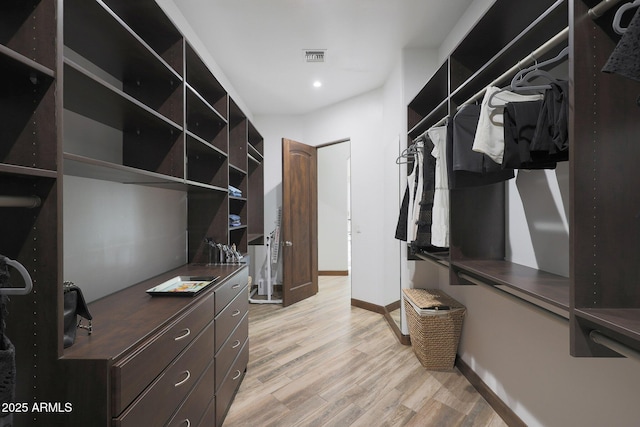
{"type": "Point", "coordinates": [111, 90]}
{"type": "Point", "coordinates": [595, 288]}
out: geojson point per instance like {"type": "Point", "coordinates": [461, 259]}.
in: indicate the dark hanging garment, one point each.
{"type": "Point", "coordinates": [402, 228]}
{"type": "Point", "coordinates": [7, 352]}
{"type": "Point", "coordinates": [625, 58]}
{"type": "Point", "coordinates": [520, 121]}
{"type": "Point", "coordinates": [470, 168]}
{"type": "Point", "coordinates": [551, 139]}
{"type": "Point", "coordinates": [423, 235]}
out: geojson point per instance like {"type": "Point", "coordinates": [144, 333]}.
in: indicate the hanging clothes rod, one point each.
{"type": "Point", "coordinates": [20, 201]}
{"type": "Point", "coordinates": [541, 306]}
{"type": "Point", "coordinates": [532, 57]}
{"type": "Point", "coordinates": [614, 345]}
{"type": "Point", "coordinates": [598, 10]}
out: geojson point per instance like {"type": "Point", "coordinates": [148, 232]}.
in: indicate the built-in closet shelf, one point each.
{"type": "Point", "coordinates": [86, 167]}
{"type": "Point", "coordinates": [440, 258]}
{"type": "Point", "coordinates": [205, 121]}
{"type": "Point", "coordinates": [153, 26]}
{"type": "Point", "coordinates": [27, 171]}
{"type": "Point", "coordinates": [94, 31]}
{"type": "Point", "coordinates": [237, 170]}
{"type": "Point", "coordinates": [545, 287]}
{"type": "Point", "coordinates": [622, 321]}
{"type": "Point", "coordinates": [255, 239]}
{"type": "Point", "coordinates": [194, 187]}
{"type": "Point", "coordinates": [92, 97]}
{"type": "Point", "coordinates": [201, 80]}
{"type": "Point", "coordinates": [239, 227]}
{"type": "Point", "coordinates": [29, 27]}
{"type": "Point", "coordinates": [471, 70]}
{"type": "Point", "coordinates": [254, 155]}
{"type": "Point", "coordinates": [201, 102]}
{"type": "Point", "coordinates": [97, 169]}
{"type": "Point", "coordinates": [253, 159]}
{"type": "Point", "coordinates": [239, 199]}
{"type": "Point", "coordinates": [439, 113]}
{"type": "Point", "coordinates": [19, 64]}
{"type": "Point", "coordinates": [206, 144]}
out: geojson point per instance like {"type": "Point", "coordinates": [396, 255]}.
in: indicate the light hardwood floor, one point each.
{"type": "Point", "coordinates": [321, 362]}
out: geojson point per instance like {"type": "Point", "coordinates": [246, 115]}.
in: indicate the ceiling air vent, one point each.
{"type": "Point", "coordinates": [314, 55]}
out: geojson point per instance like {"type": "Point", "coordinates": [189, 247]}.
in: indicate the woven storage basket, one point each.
{"type": "Point", "coordinates": [434, 333]}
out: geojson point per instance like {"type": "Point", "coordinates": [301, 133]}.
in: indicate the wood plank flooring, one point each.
{"type": "Point", "coordinates": [322, 362]}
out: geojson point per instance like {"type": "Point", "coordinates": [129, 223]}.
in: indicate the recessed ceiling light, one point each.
{"type": "Point", "coordinates": [317, 83]}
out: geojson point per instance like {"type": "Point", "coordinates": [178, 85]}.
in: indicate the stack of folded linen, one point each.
{"type": "Point", "coordinates": [235, 192]}
{"type": "Point", "coordinates": [234, 220]}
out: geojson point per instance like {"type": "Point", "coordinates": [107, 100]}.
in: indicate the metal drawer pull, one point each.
{"type": "Point", "coordinates": [236, 286]}
{"type": "Point", "coordinates": [179, 383]}
{"type": "Point", "coordinates": [187, 422]}
{"type": "Point", "coordinates": [235, 313]}
{"type": "Point", "coordinates": [236, 344]}
{"type": "Point", "coordinates": [187, 332]}
{"type": "Point", "coordinates": [238, 373]}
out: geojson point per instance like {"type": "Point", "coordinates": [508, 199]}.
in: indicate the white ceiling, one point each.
{"type": "Point", "coordinates": [260, 44]}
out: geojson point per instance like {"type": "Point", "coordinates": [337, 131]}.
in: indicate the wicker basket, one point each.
{"type": "Point", "coordinates": [435, 322]}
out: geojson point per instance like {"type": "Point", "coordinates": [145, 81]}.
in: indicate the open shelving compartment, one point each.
{"type": "Point", "coordinates": [480, 214]}
{"type": "Point", "coordinates": [480, 251]}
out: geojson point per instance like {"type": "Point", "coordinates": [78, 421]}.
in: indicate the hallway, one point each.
{"type": "Point", "coordinates": [321, 362]}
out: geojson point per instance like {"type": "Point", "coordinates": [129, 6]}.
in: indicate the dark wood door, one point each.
{"type": "Point", "coordinates": [299, 221]}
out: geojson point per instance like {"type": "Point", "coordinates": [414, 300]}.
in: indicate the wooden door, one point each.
{"type": "Point", "coordinates": [299, 221]}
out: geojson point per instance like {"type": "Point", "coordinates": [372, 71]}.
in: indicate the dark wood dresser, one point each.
{"type": "Point", "coordinates": [161, 360]}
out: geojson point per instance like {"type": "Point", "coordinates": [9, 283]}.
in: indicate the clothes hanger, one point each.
{"type": "Point", "coordinates": [520, 81]}
{"type": "Point", "coordinates": [619, 29]}
{"type": "Point", "coordinates": [25, 276]}
{"type": "Point", "coordinates": [537, 70]}
{"type": "Point", "coordinates": [408, 154]}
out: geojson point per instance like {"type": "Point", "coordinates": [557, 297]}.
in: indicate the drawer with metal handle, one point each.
{"type": "Point", "coordinates": [131, 375]}
{"type": "Point", "coordinates": [230, 349]}
{"type": "Point", "coordinates": [195, 405]}
{"type": "Point", "coordinates": [230, 384]}
{"type": "Point", "coordinates": [230, 317]}
{"type": "Point", "coordinates": [227, 291]}
{"type": "Point", "coordinates": [156, 404]}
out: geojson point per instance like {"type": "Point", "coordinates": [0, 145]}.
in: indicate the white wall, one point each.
{"type": "Point", "coordinates": [333, 207]}
{"type": "Point", "coordinates": [359, 119]}
{"type": "Point", "coordinates": [114, 236]}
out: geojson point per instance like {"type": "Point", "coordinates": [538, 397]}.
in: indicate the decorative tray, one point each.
{"type": "Point", "coordinates": [183, 286]}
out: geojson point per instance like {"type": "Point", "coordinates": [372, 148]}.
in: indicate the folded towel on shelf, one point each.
{"type": "Point", "coordinates": [235, 192]}
{"type": "Point", "coordinates": [234, 220]}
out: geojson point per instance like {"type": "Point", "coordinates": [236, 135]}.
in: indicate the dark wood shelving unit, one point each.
{"type": "Point", "coordinates": [138, 106]}
{"type": "Point", "coordinates": [605, 249]}
{"type": "Point", "coordinates": [29, 149]}
{"type": "Point", "coordinates": [601, 292]}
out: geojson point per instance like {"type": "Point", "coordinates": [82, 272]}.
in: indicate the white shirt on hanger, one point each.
{"type": "Point", "coordinates": [440, 214]}
{"type": "Point", "coordinates": [489, 138]}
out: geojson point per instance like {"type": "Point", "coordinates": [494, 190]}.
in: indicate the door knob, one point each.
{"type": "Point", "coordinates": [288, 243]}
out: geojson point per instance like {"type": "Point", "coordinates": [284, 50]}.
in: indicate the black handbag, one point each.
{"type": "Point", "coordinates": [74, 306]}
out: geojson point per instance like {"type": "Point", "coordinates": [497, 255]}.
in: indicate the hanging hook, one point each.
{"type": "Point", "coordinates": [25, 276]}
